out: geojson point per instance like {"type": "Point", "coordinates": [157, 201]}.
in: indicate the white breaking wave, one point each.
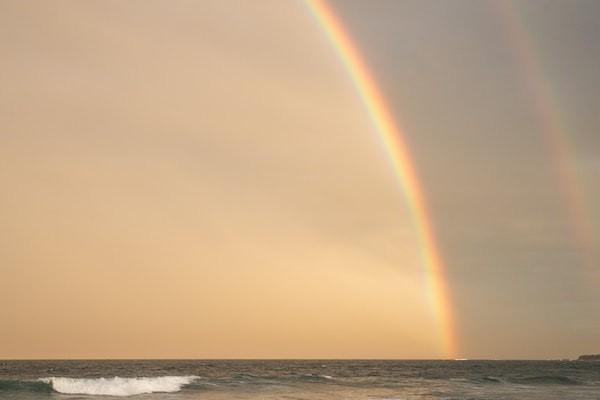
{"type": "Point", "coordinates": [119, 386]}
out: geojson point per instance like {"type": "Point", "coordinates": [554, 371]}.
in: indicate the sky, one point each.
{"type": "Point", "coordinates": [201, 179]}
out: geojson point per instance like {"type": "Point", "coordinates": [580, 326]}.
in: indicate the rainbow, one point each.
{"type": "Point", "coordinates": [550, 124]}
{"type": "Point", "coordinates": [392, 136]}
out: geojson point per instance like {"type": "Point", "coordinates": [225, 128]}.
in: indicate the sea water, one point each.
{"type": "Point", "coordinates": [296, 380]}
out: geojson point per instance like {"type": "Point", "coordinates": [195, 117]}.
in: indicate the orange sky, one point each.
{"type": "Point", "coordinates": [200, 179]}
{"type": "Point", "coordinates": [184, 183]}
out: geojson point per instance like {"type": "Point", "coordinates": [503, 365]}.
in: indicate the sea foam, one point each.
{"type": "Point", "coordinates": [118, 386]}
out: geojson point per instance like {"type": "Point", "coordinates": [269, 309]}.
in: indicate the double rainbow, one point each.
{"type": "Point", "coordinates": [393, 139]}
{"type": "Point", "coordinates": [550, 124]}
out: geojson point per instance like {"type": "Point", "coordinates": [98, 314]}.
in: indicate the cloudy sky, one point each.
{"type": "Point", "coordinates": [198, 179]}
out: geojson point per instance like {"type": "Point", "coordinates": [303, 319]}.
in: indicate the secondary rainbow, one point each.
{"type": "Point", "coordinates": [551, 125]}
{"type": "Point", "coordinates": [393, 139]}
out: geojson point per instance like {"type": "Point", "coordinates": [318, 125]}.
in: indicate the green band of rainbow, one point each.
{"type": "Point", "coordinates": [392, 137]}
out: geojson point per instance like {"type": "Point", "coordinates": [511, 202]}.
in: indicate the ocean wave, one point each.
{"type": "Point", "coordinates": [13, 385]}
{"type": "Point", "coordinates": [492, 379]}
{"type": "Point", "coordinates": [313, 377]}
{"type": "Point", "coordinates": [547, 380]}
{"type": "Point", "coordinates": [118, 386]}
{"type": "Point", "coordinates": [246, 378]}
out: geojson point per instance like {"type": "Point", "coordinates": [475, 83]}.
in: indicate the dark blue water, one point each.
{"type": "Point", "coordinates": [295, 380]}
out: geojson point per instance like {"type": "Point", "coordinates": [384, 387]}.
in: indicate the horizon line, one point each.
{"type": "Point", "coordinates": [292, 359]}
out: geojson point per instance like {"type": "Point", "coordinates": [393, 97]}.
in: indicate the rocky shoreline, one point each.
{"type": "Point", "coordinates": [589, 357]}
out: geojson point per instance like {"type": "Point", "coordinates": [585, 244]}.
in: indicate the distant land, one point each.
{"type": "Point", "coordinates": [589, 357]}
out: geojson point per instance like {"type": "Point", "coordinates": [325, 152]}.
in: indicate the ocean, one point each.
{"type": "Point", "coordinates": [297, 380]}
